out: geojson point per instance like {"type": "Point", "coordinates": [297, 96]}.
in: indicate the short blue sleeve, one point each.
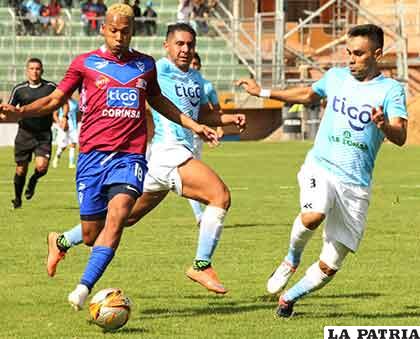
{"type": "Point", "coordinates": [211, 93]}
{"type": "Point", "coordinates": [203, 97]}
{"type": "Point", "coordinates": [395, 103]}
{"type": "Point", "coordinates": [320, 87]}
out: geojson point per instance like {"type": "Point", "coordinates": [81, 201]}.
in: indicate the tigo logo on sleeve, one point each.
{"type": "Point", "coordinates": [122, 97]}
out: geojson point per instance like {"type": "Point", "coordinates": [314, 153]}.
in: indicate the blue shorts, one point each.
{"type": "Point", "coordinates": [97, 171]}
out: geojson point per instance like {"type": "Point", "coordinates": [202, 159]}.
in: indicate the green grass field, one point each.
{"type": "Point", "coordinates": [377, 286]}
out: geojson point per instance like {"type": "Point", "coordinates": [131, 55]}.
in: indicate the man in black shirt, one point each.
{"type": "Point", "coordinates": [34, 134]}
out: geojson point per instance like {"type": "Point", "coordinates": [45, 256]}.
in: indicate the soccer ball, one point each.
{"type": "Point", "coordinates": [110, 309]}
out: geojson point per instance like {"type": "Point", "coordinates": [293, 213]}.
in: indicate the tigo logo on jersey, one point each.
{"type": "Point", "coordinates": [358, 116]}
{"type": "Point", "coordinates": [122, 97]}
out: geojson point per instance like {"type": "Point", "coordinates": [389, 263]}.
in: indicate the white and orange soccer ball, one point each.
{"type": "Point", "coordinates": [110, 309]}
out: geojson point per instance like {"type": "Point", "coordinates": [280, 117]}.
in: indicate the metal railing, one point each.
{"type": "Point", "coordinates": [250, 40]}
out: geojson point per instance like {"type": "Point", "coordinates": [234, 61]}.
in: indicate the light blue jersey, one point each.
{"type": "Point", "coordinates": [185, 90]}
{"type": "Point", "coordinates": [210, 92]}
{"type": "Point", "coordinates": [347, 140]}
{"type": "Point", "coordinates": [72, 114]}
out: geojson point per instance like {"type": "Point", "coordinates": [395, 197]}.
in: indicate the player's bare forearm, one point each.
{"type": "Point", "coordinates": [396, 131]}
{"type": "Point", "coordinates": [215, 118]}
{"type": "Point", "coordinates": [297, 95]}
{"type": "Point", "coordinates": [45, 105]}
{"type": "Point", "coordinates": [165, 107]}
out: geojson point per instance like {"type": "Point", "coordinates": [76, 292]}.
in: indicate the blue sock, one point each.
{"type": "Point", "coordinates": [313, 280]}
{"type": "Point", "coordinates": [294, 256]}
{"type": "Point", "coordinates": [99, 259]}
{"type": "Point", "coordinates": [210, 229]}
{"type": "Point", "coordinates": [74, 236]}
{"type": "Point", "coordinates": [196, 207]}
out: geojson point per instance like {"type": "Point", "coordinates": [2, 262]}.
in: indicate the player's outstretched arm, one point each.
{"type": "Point", "coordinates": [40, 107]}
{"type": "Point", "coordinates": [296, 95]}
{"type": "Point", "coordinates": [218, 118]}
{"type": "Point", "coordinates": [395, 129]}
{"type": "Point", "coordinates": [165, 107]}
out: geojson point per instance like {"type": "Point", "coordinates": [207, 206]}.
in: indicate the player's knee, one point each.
{"type": "Point", "coordinates": [222, 198]}
{"type": "Point", "coordinates": [89, 238]}
{"type": "Point", "coordinates": [312, 220]}
{"type": "Point", "coordinates": [332, 256]}
{"type": "Point", "coordinates": [20, 171]}
{"type": "Point", "coordinates": [326, 269]}
{"type": "Point", "coordinates": [42, 170]}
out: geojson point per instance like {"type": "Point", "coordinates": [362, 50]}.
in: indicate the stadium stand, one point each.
{"type": "Point", "coordinates": [221, 66]}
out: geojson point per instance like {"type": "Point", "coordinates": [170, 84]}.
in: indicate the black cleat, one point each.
{"type": "Point", "coordinates": [17, 203]}
{"type": "Point", "coordinates": [30, 189]}
{"type": "Point", "coordinates": [285, 309]}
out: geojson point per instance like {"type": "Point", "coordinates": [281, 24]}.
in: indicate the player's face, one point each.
{"type": "Point", "coordinates": [180, 47]}
{"type": "Point", "coordinates": [195, 64]}
{"type": "Point", "coordinates": [363, 57]}
{"type": "Point", "coordinates": [117, 31]}
{"type": "Point", "coordinates": [34, 72]}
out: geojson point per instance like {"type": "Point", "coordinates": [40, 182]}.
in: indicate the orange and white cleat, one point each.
{"type": "Point", "coordinates": [207, 278]}
{"type": "Point", "coordinates": [54, 253]}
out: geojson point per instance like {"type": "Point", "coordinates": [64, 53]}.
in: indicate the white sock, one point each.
{"type": "Point", "coordinates": [196, 207]}
{"type": "Point", "coordinates": [299, 237]}
{"type": "Point", "coordinates": [71, 156]}
{"type": "Point", "coordinates": [211, 227]}
{"type": "Point", "coordinates": [313, 280]}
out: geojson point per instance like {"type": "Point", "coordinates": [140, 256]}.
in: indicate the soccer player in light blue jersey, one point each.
{"type": "Point", "coordinates": [172, 165]}
{"type": "Point", "coordinates": [67, 134]}
{"type": "Point", "coordinates": [364, 107]}
{"type": "Point", "coordinates": [213, 101]}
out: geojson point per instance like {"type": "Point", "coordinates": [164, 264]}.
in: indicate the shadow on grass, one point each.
{"type": "Point", "coordinates": [133, 330]}
{"type": "Point", "coordinates": [231, 308]}
{"type": "Point", "coordinates": [357, 315]}
{"type": "Point", "coordinates": [244, 225]}
{"type": "Point", "coordinates": [361, 295]}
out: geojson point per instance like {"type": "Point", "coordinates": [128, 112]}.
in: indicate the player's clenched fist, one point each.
{"type": "Point", "coordinates": [6, 109]}
{"type": "Point", "coordinates": [250, 86]}
{"type": "Point", "coordinates": [378, 117]}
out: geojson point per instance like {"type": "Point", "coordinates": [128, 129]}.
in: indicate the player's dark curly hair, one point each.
{"type": "Point", "coordinates": [374, 33]}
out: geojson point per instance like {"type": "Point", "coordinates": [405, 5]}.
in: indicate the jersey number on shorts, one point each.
{"type": "Point", "coordinates": [138, 172]}
{"type": "Point", "coordinates": [312, 183]}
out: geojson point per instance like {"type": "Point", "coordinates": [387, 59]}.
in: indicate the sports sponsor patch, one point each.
{"type": "Point", "coordinates": [141, 83]}
{"type": "Point", "coordinates": [122, 97]}
{"type": "Point", "coordinates": [102, 82]}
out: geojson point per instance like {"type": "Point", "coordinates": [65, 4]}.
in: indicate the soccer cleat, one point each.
{"type": "Point", "coordinates": [54, 253]}
{"type": "Point", "coordinates": [78, 296]}
{"type": "Point", "coordinates": [279, 278]}
{"type": "Point", "coordinates": [72, 166]}
{"type": "Point", "coordinates": [30, 189]}
{"type": "Point", "coordinates": [17, 203]}
{"type": "Point", "coordinates": [55, 162]}
{"type": "Point", "coordinates": [285, 308]}
{"type": "Point", "coordinates": [207, 278]}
